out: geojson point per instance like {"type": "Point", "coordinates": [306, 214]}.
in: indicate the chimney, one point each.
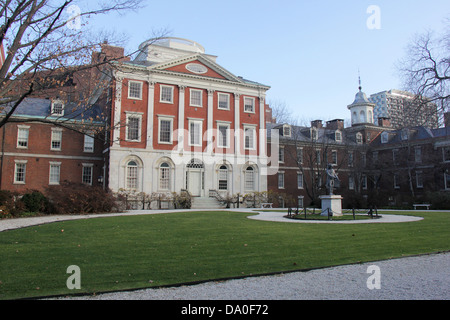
{"type": "Point", "coordinates": [109, 52]}
{"type": "Point", "coordinates": [316, 124]}
{"type": "Point", "coordinates": [336, 124]}
{"type": "Point", "coordinates": [447, 119]}
{"type": "Point", "coordinates": [384, 122]}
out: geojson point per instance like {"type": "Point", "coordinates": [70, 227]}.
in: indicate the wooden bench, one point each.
{"type": "Point", "coordinates": [426, 205]}
{"type": "Point", "coordinates": [266, 205]}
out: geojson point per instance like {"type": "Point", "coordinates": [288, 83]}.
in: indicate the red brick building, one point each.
{"type": "Point", "coordinates": [38, 151]}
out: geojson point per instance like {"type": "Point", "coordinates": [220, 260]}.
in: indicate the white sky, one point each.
{"type": "Point", "coordinates": [309, 52]}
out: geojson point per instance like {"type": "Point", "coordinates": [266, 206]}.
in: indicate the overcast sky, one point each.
{"type": "Point", "coordinates": [309, 52]}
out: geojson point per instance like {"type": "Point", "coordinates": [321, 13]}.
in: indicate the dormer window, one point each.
{"type": "Point", "coordinates": [313, 134]}
{"type": "Point", "coordinates": [338, 136]}
{"type": "Point", "coordinates": [359, 138]}
{"type": "Point", "coordinates": [384, 137]}
{"type": "Point", "coordinates": [404, 134]}
{"type": "Point", "coordinates": [57, 108]}
{"type": "Point", "coordinates": [286, 130]}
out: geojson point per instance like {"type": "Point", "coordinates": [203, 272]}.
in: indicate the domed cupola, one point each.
{"type": "Point", "coordinates": [361, 109]}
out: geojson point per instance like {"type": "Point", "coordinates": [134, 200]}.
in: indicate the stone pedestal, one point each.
{"type": "Point", "coordinates": [332, 202]}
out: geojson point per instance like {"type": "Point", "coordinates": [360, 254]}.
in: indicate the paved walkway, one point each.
{"type": "Point", "coordinates": [10, 224]}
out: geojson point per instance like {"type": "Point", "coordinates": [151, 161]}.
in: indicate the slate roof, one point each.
{"type": "Point", "coordinates": [38, 108]}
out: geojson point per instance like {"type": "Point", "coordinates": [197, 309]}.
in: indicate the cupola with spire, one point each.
{"type": "Point", "coordinates": [361, 109]}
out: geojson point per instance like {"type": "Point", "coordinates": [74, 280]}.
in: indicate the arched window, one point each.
{"type": "Point", "coordinates": [249, 178]}
{"type": "Point", "coordinates": [362, 116]}
{"type": "Point", "coordinates": [164, 176]}
{"type": "Point", "coordinates": [132, 179]}
{"type": "Point", "coordinates": [223, 178]}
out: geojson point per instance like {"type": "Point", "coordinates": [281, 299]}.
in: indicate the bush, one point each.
{"type": "Point", "coordinates": [35, 202]}
{"type": "Point", "coordinates": [438, 200]}
{"type": "Point", "coordinates": [10, 203]}
{"type": "Point", "coordinates": [77, 198]}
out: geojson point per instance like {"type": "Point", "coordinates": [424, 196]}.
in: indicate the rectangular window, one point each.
{"type": "Point", "coordinates": [223, 138]}
{"type": "Point", "coordinates": [396, 181]}
{"type": "Point", "coordinates": [134, 90]}
{"type": "Point", "coordinates": [250, 138]}
{"type": "Point", "coordinates": [350, 159]}
{"type": "Point", "coordinates": [22, 136]}
{"type": "Point", "coordinates": [88, 143]}
{"type": "Point", "coordinates": [57, 108]}
{"type": "Point", "coordinates": [249, 180]}
{"type": "Point", "coordinates": [334, 157]}
{"type": "Point", "coordinates": [56, 139]}
{"type": "Point", "coordinates": [299, 155]}
{"type": "Point", "coordinates": [300, 180]}
{"type": "Point", "coordinates": [195, 133]}
{"type": "Point", "coordinates": [132, 177]}
{"type": "Point", "coordinates": [419, 179]}
{"type": "Point", "coordinates": [55, 171]}
{"type": "Point", "coordinates": [281, 180]}
{"type": "Point", "coordinates": [281, 154]}
{"type": "Point", "coordinates": [87, 174]}
{"type": "Point", "coordinates": [447, 181]}
{"type": "Point", "coordinates": [318, 156]}
{"type": "Point", "coordinates": [196, 98]}
{"type": "Point", "coordinates": [165, 130]}
{"type": "Point", "coordinates": [164, 180]}
{"type": "Point", "coordinates": [224, 101]}
{"type": "Point", "coordinates": [20, 172]}
{"type": "Point", "coordinates": [223, 179]}
{"type": "Point", "coordinates": [364, 182]}
{"type": "Point", "coordinates": [133, 127]}
{"type": "Point", "coordinates": [446, 154]}
{"type": "Point", "coordinates": [249, 104]}
{"type": "Point", "coordinates": [166, 94]}
{"type": "Point", "coordinates": [300, 202]}
{"type": "Point", "coordinates": [418, 154]}
{"type": "Point", "coordinates": [351, 183]}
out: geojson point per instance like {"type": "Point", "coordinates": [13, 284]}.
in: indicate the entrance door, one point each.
{"type": "Point", "coordinates": [194, 183]}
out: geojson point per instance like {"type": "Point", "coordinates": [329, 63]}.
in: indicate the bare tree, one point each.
{"type": "Point", "coordinates": [48, 48]}
{"type": "Point", "coordinates": [426, 69]}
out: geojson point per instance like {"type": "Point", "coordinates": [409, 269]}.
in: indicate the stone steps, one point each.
{"type": "Point", "coordinates": [205, 203]}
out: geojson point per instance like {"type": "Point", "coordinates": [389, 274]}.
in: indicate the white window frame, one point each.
{"type": "Point", "coordinates": [130, 91]}
{"type": "Point", "coordinates": [132, 178]}
{"type": "Point", "coordinates": [253, 141]}
{"type": "Point", "coordinates": [446, 179]}
{"type": "Point", "coordinates": [281, 179]}
{"type": "Point", "coordinates": [419, 179]}
{"type": "Point", "coordinates": [418, 154]}
{"type": "Point", "coordinates": [384, 137]}
{"type": "Point", "coordinates": [191, 95]}
{"type": "Point", "coordinates": [300, 202]}
{"type": "Point", "coordinates": [287, 130]}
{"type": "Point", "coordinates": [219, 137]}
{"type": "Point", "coordinates": [299, 155]}
{"type": "Point", "coordinates": [227, 95]}
{"type": "Point", "coordinates": [300, 180]}
{"type": "Point", "coordinates": [252, 104]}
{"type": "Point", "coordinates": [249, 178]}
{"type": "Point", "coordinates": [364, 182]}
{"type": "Point", "coordinates": [338, 136]}
{"type": "Point", "coordinates": [89, 166]}
{"type": "Point", "coordinates": [396, 182]}
{"type": "Point", "coordinates": [133, 115]}
{"type": "Point", "coordinates": [334, 157]}
{"type": "Point", "coordinates": [169, 119]}
{"type": "Point", "coordinates": [199, 136]}
{"type": "Point", "coordinates": [222, 177]}
{"type": "Point", "coordinates": [281, 154]}
{"type": "Point", "coordinates": [24, 139]}
{"type": "Point", "coordinates": [89, 143]}
{"type": "Point", "coordinates": [161, 87]}
{"type": "Point", "coordinates": [56, 137]}
{"type": "Point", "coordinates": [359, 138]}
{"type": "Point", "coordinates": [55, 112]}
{"type": "Point", "coordinates": [21, 163]}
{"type": "Point", "coordinates": [57, 167]}
{"type": "Point", "coordinates": [164, 176]}
{"type": "Point", "coordinates": [351, 183]}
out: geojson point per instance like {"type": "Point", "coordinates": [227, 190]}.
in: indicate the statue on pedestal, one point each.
{"type": "Point", "coordinates": [331, 178]}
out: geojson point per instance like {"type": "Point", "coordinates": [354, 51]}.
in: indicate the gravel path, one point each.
{"type": "Point", "coordinates": [414, 278]}
{"type": "Point", "coordinates": [424, 277]}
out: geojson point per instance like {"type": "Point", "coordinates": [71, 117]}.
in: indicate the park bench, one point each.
{"type": "Point", "coordinates": [266, 205]}
{"type": "Point", "coordinates": [425, 205]}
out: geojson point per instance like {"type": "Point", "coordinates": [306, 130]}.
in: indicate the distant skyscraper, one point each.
{"type": "Point", "coordinates": [402, 110]}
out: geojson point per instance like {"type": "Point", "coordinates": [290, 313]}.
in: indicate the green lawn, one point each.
{"type": "Point", "coordinates": [128, 252]}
